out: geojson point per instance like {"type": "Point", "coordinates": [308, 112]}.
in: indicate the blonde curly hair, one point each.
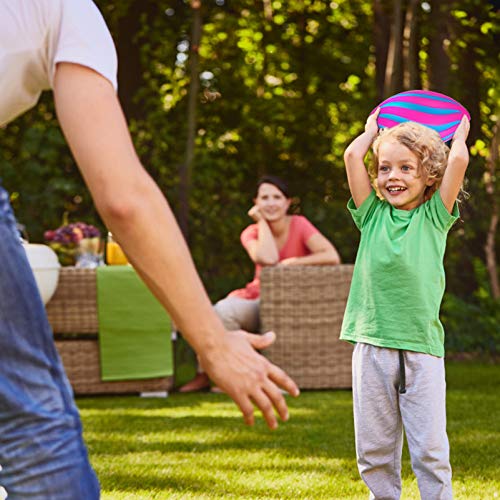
{"type": "Point", "coordinates": [424, 142]}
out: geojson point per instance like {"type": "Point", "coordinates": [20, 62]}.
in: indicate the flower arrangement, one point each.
{"type": "Point", "coordinates": [71, 240]}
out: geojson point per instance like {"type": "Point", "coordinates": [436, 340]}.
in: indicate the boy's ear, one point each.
{"type": "Point", "coordinates": [431, 181]}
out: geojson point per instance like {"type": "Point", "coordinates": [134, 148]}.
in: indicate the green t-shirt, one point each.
{"type": "Point", "coordinates": [398, 280]}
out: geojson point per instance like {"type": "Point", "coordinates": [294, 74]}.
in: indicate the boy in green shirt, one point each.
{"type": "Point", "coordinates": [392, 314]}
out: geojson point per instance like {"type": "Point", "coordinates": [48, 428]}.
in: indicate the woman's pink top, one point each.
{"type": "Point", "coordinates": [299, 232]}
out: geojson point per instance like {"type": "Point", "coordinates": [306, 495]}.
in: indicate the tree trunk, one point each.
{"type": "Point", "coordinates": [381, 34]}
{"type": "Point", "coordinates": [411, 47]}
{"type": "Point", "coordinates": [394, 69]}
{"type": "Point", "coordinates": [470, 89]}
{"type": "Point", "coordinates": [186, 169]}
{"type": "Point", "coordinates": [268, 10]}
{"type": "Point", "coordinates": [130, 70]}
{"type": "Point", "coordinates": [489, 248]}
{"type": "Point", "coordinates": [438, 68]}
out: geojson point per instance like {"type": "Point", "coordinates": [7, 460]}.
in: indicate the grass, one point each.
{"type": "Point", "coordinates": [195, 445]}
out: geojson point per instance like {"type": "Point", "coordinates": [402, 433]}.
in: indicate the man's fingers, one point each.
{"type": "Point", "coordinates": [246, 408]}
{"type": "Point", "coordinates": [261, 341]}
{"type": "Point", "coordinates": [248, 377]}
{"type": "Point", "coordinates": [261, 399]}
{"type": "Point", "coordinates": [281, 379]}
{"type": "Point", "coordinates": [266, 400]}
{"type": "Point", "coordinates": [277, 400]}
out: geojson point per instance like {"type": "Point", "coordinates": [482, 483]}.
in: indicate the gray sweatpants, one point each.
{"type": "Point", "coordinates": [239, 314]}
{"type": "Point", "coordinates": [381, 413]}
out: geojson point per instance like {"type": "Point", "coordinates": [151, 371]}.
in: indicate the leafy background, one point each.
{"type": "Point", "coordinates": [282, 88]}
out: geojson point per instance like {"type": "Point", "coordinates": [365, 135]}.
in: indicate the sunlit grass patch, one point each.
{"type": "Point", "coordinates": [196, 446]}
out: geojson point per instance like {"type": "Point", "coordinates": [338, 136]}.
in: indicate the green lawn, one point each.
{"type": "Point", "coordinates": [195, 446]}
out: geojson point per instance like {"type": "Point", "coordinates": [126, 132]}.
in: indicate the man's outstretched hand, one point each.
{"type": "Point", "coordinates": [248, 377]}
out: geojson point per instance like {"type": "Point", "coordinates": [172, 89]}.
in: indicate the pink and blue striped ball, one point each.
{"type": "Point", "coordinates": [432, 109]}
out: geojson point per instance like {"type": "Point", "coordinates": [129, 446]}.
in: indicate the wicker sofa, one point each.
{"type": "Point", "coordinates": [305, 305]}
{"type": "Point", "coordinates": [72, 313]}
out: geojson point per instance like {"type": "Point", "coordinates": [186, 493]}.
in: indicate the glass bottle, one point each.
{"type": "Point", "coordinates": [114, 253]}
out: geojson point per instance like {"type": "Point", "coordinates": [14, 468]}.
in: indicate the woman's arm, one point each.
{"type": "Point", "coordinates": [322, 253]}
{"type": "Point", "coordinates": [263, 250]}
{"type": "Point", "coordinates": [458, 160]}
{"type": "Point", "coordinates": [357, 176]}
{"type": "Point", "coordinates": [135, 210]}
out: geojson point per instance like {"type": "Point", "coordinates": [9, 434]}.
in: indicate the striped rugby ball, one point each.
{"type": "Point", "coordinates": [435, 110]}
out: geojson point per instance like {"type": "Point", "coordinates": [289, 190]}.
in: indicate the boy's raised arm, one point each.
{"type": "Point", "coordinates": [357, 176]}
{"type": "Point", "coordinates": [458, 159]}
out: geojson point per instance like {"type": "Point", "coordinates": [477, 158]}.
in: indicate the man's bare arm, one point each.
{"type": "Point", "coordinates": [137, 213]}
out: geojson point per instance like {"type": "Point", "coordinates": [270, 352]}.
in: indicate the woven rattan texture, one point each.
{"type": "Point", "coordinates": [72, 313]}
{"type": "Point", "coordinates": [81, 363]}
{"type": "Point", "coordinates": [73, 308]}
{"type": "Point", "coordinates": [305, 306]}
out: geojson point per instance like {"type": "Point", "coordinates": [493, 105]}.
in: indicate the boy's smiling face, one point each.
{"type": "Point", "coordinates": [400, 178]}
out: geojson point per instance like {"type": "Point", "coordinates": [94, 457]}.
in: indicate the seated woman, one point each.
{"type": "Point", "coordinates": [275, 238]}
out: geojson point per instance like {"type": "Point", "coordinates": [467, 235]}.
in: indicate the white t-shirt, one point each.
{"type": "Point", "coordinates": [37, 34]}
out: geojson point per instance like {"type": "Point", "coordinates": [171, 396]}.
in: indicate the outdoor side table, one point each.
{"type": "Point", "coordinates": [73, 315]}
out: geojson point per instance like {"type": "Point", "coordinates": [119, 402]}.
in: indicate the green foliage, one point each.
{"type": "Point", "coordinates": [282, 94]}
{"type": "Point", "coordinates": [472, 325]}
{"type": "Point", "coordinates": [282, 89]}
{"type": "Point", "coordinates": [39, 172]}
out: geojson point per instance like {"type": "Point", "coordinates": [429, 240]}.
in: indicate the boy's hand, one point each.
{"type": "Point", "coordinates": [354, 155]}
{"type": "Point", "coordinates": [371, 126]}
{"type": "Point", "coordinates": [462, 130]}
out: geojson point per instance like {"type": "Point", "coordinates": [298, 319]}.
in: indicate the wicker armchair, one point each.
{"type": "Point", "coordinates": [72, 313]}
{"type": "Point", "coordinates": [305, 305]}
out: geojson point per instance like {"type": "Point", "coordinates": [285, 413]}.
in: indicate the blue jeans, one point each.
{"type": "Point", "coordinates": [42, 453]}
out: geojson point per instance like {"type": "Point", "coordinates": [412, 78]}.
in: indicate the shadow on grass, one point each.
{"type": "Point", "coordinates": [192, 486]}
{"type": "Point", "coordinates": [320, 425]}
